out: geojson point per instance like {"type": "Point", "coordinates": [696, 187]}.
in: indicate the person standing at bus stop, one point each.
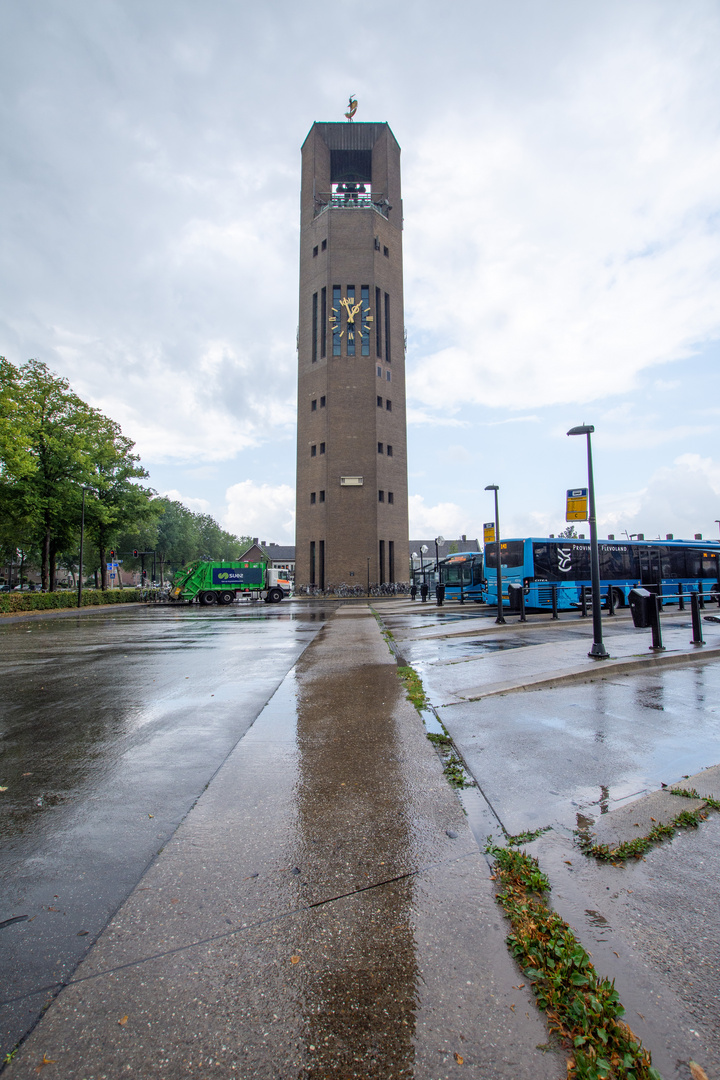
{"type": "Point", "coordinates": [413, 591]}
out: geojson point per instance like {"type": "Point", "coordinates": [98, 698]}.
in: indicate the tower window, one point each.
{"type": "Point", "coordinates": [313, 451]}
{"type": "Point", "coordinates": [324, 245]}
{"type": "Point", "coordinates": [379, 402]}
{"type": "Point", "coordinates": [377, 243]}
{"type": "Point", "coordinates": [388, 405]}
{"type": "Point", "coordinates": [387, 328]}
{"type": "Point", "coordinates": [386, 252]}
{"type": "Point", "coordinates": [391, 497]}
{"type": "Point", "coordinates": [322, 496]}
{"type": "Point", "coordinates": [388, 376]}
{"type": "Point", "coordinates": [314, 327]}
{"type": "Point", "coordinates": [313, 405]}
{"type": "Point", "coordinates": [322, 402]}
{"type": "Point", "coordinates": [381, 495]}
{"type": "Point", "coordinates": [312, 498]}
{"type": "Point", "coordinates": [335, 316]}
{"type": "Point", "coordinates": [378, 325]}
{"type": "Point", "coordinates": [365, 320]}
{"type": "Point", "coordinates": [379, 372]}
{"type": "Point", "coordinates": [323, 322]}
{"type": "Point", "coordinates": [388, 450]}
{"type": "Point", "coordinates": [315, 251]}
{"type": "Point", "coordinates": [380, 448]}
{"type": "Point", "coordinates": [322, 447]}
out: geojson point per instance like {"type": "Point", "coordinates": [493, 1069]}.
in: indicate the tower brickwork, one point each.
{"type": "Point", "coordinates": [352, 504]}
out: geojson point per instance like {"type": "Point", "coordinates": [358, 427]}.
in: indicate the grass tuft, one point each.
{"type": "Point", "coordinates": [582, 1008]}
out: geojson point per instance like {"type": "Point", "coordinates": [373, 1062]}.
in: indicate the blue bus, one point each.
{"type": "Point", "coordinates": [538, 563]}
{"type": "Point", "coordinates": [464, 573]}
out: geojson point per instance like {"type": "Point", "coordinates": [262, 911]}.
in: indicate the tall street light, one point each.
{"type": "Point", "coordinates": [598, 651]}
{"type": "Point", "coordinates": [423, 551]}
{"type": "Point", "coordinates": [500, 616]}
{"type": "Point", "coordinates": [82, 538]}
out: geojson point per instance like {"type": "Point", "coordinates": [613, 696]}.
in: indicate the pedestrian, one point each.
{"type": "Point", "coordinates": [424, 592]}
{"type": "Point", "coordinates": [413, 591]}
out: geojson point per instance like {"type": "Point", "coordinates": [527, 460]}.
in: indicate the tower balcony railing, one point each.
{"type": "Point", "coordinates": [352, 199]}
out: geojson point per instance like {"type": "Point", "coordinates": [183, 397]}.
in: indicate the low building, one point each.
{"type": "Point", "coordinates": [277, 556]}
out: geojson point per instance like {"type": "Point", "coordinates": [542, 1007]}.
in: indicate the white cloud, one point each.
{"type": "Point", "coordinates": [263, 510]}
{"type": "Point", "coordinates": [446, 519]}
{"type": "Point", "coordinates": [199, 506]}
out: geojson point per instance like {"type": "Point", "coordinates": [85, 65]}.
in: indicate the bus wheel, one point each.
{"type": "Point", "coordinates": [618, 598]}
{"type": "Point", "coordinates": [274, 596]}
{"type": "Point", "coordinates": [227, 597]}
{"type": "Point", "coordinates": [207, 598]}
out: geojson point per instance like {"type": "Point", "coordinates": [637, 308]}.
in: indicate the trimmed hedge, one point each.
{"type": "Point", "coordinates": [37, 601]}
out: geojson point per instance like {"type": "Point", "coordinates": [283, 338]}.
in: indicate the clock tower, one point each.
{"type": "Point", "coordinates": [352, 509]}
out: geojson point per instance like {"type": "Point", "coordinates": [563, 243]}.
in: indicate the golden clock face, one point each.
{"type": "Point", "coordinates": [353, 310]}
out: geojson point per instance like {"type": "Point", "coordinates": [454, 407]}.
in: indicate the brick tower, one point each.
{"type": "Point", "coordinates": [352, 512]}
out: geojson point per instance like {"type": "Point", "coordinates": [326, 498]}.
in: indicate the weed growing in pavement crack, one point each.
{"type": "Point", "coordinates": [636, 848]}
{"type": "Point", "coordinates": [527, 837]}
{"type": "Point", "coordinates": [413, 687]}
{"type": "Point", "coordinates": [582, 1008]}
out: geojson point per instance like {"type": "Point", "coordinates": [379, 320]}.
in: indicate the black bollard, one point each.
{"type": "Point", "coordinates": [583, 601]}
{"type": "Point", "coordinates": [553, 590]}
{"type": "Point", "coordinates": [681, 598]}
{"type": "Point", "coordinates": [523, 616]}
{"type": "Point", "coordinates": [701, 596]}
{"type": "Point", "coordinates": [657, 645]}
{"type": "Point", "coordinates": [439, 594]}
{"type": "Point", "coordinates": [611, 601]}
{"type": "Point", "coordinates": [697, 638]}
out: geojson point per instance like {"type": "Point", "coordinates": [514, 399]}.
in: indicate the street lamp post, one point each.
{"type": "Point", "coordinates": [500, 617]}
{"type": "Point", "coordinates": [598, 651]}
{"type": "Point", "coordinates": [423, 551]}
{"type": "Point", "coordinates": [82, 538]}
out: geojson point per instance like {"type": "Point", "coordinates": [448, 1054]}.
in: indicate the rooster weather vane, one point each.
{"type": "Point", "coordinates": [352, 109]}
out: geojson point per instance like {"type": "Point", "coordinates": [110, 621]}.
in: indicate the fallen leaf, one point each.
{"type": "Point", "coordinates": [513, 1008]}
{"type": "Point", "coordinates": [174, 901]}
{"type": "Point", "coordinates": [45, 1061]}
{"type": "Point", "coordinates": [640, 1015]}
{"type": "Point", "coordinates": [3, 789]}
{"type": "Point", "coordinates": [123, 1021]}
{"type": "Point", "coordinates": [567, 862]}
{"type": "Point", "coordinates": [653, 819]}
{"type": "Point", "coordinates": [696, 1071]}
{"type": "Point", "coordinates": [27, 774]}
{"type": "Point", "coordinates": [294, 959]}
{"type": "Point", "coordinates": [519, 986]}
{"type": "Point", "coordinates": [458, 1058]}
{"type": "Point", "coordinates": [151, 815]}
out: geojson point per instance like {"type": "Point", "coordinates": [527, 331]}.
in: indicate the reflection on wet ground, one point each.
{"type": "Point", "coordinates": [587, 747]}
{"type": "Point", "coordinates": [110, 727]}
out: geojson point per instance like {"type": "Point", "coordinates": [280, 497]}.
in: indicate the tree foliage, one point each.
{"type": "Point", "coordinates": [53, 445]}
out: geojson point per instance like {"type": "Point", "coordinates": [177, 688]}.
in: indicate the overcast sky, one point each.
{"type": "Point", "coordinates": [562, 241]}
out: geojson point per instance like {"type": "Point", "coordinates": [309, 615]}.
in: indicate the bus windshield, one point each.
{"type": "Point", "coordinates": [511, 554]}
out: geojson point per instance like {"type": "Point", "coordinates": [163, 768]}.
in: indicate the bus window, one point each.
{"type": "Point", "coordinates": [556, 561]}
{"type": "Point", "coordinates": [617, 562]}
{"type": "Point", "coordinates": [511, 554]}
{"type": "Point", "coordinates": [710, 565]}
{"type": "Point", "coordinates": [678, 562]}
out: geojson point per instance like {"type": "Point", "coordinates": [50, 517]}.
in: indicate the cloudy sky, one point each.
{"type": "Point", "coordinates": [562, 241]}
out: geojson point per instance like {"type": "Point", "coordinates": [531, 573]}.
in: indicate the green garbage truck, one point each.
{"type": "Point", "coordinates": [222, 582]}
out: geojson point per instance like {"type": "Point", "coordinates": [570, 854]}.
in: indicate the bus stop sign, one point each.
{"type": "Point", "coordinates": [577, 504]}
{"type": "Point", "coordinates": [489, 532]}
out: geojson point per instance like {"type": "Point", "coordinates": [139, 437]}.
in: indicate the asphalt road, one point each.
{"type": "Point", "coordinates": [111, 726]}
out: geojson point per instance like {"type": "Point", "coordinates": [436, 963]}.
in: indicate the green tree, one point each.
{"type": "Point", "coordinates": [569, 532]}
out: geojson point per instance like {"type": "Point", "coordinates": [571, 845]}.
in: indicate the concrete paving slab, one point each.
{"type": "Point", "coordinates": [324, 907]}
{"type": "Point", "coordinates": [638, 817]}
{"type": "Point", "coordinates": [706, 783]}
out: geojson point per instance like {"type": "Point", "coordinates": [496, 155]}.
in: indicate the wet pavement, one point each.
{"type": "Point", "coordinates": [324, 910]}
{"type": "Point", "coordinates": [112, 724]}
{"type": "Point", "coordinates": [588, 747]}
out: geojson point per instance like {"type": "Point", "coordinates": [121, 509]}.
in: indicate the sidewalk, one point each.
{"type": "Point", "coordinates": [323, 911]}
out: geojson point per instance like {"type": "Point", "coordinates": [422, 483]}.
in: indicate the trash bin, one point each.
{"type": "Point", "coordinates": [641, 608]}
{"type": "Point", "coordinates": [440, 593]}
{"type": "Point", "coordinates": [515, 596]}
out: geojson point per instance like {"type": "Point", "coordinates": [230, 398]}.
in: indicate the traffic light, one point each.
{"type": "Point", "coordinates": [144, 573]}
{"type": "Point", "coordinates": [112, 556]}
{"type": "Point", "coordinates": [135, 552]}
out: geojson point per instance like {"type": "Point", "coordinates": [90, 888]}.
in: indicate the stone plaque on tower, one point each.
{"type": "Point", "coordinates": [352, 509]}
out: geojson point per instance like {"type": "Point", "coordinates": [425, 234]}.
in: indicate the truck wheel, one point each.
{"type": "Point", "coordinates": [274, 596]}
{"type": "Point", "coordinates": [226, 597]}
{"type": "Point", "coordinates": [207, 598]}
